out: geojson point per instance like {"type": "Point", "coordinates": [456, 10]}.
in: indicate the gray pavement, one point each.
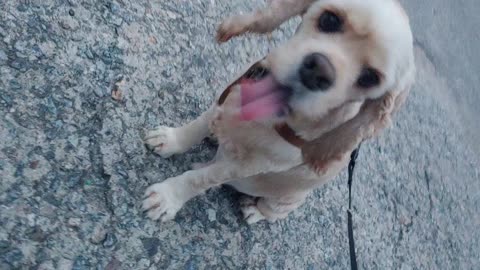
{"type": "Point", "coordinates": [73, 167]}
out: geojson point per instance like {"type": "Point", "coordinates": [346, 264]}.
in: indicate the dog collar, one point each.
{"type": "Point", "coordinates": [289, 135]}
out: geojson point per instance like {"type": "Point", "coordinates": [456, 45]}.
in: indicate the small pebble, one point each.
{"type": "Point", "coordinates": [98, 236]}
{"type": "Point", "coordinates": [71, 12]}
{"type": "Point", "coordinates": [74, 222]}
{"type": "Point", "coordinates": [212, 215]}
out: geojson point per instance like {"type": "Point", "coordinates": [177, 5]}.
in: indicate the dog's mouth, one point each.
{"type": "Point", "coordinates": [263, 97]}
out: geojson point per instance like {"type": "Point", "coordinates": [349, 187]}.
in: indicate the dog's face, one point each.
{"type": "Point", "coordinates": [344, 50]}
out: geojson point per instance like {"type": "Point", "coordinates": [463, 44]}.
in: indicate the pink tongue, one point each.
{"type": "Point", "coordinates": [260, 99]}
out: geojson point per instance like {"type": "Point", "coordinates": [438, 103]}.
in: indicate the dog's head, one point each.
{"type": "Point", "coordinates": [344, 50]}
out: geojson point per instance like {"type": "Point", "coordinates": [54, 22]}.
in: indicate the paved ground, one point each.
{"type": "Point", "coordinates": [73, 168]}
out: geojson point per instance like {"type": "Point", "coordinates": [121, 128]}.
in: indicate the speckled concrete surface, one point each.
{"type": "Point", "coordinates": [73, 167]}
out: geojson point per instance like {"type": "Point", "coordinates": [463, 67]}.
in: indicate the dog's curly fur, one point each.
{"type": "Point", "coordinates": [252, 157]}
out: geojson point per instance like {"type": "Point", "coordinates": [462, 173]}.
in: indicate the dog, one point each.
{"type": "Point", "coordinates": [289, 123]}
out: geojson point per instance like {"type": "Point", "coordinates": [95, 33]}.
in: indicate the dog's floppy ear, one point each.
{"type": "Point", "coordinates": [374, 116]}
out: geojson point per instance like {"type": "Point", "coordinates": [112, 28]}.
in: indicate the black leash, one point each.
{"type": "Point", "coordinates": [351, 241]}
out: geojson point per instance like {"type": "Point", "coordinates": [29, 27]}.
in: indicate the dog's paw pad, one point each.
{"type": "Point", "coordinates": [163, 141]}
{"type": "Point", "coordinates": [160, 202]}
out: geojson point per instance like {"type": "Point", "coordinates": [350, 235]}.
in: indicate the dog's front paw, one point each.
{"type": "Point", "coordinates": [163, 141]}
{"type": "Point", "coordinates": [162, 201]}
{"type": "Point", "coordinates": [251, 214]}
{"type": "Point", "coordinates": [232, 27]}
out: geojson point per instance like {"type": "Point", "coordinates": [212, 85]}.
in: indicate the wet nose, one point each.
{"type": "Point", "coordinates": [317, 72]}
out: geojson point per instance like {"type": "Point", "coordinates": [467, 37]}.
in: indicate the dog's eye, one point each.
{"type": "Point", "coordinates": [369, 77]}
{"type": "Point", "coordinates": [329, 22]}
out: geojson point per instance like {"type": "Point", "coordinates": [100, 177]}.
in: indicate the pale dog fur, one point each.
{"type": "Point", "coordinates": [252, 157]}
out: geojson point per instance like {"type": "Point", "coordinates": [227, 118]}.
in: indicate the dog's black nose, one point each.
{"type": "Point", "coordinates": [317, 72]}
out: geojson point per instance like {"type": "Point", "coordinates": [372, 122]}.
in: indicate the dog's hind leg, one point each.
{"type": "Point", "coordinates": [261, 21]}
{"type": "Point", "coordinates": [167, 141]}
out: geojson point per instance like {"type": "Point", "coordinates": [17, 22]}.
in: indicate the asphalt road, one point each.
{"type": "Point", "coordinates": [73, 168]}
{"type": "Point", "coordinates": [447, 32]}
